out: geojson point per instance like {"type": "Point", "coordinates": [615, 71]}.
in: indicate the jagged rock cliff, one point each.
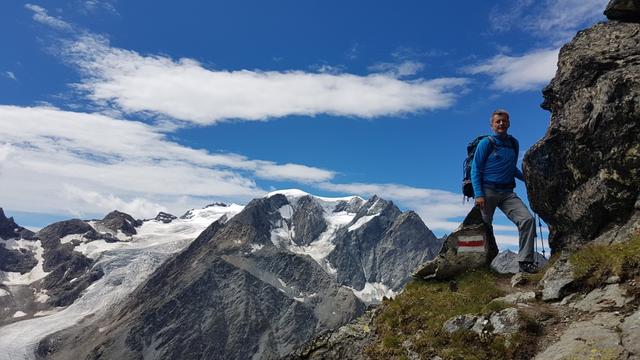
{"type": "Point", "coordinates": [591, 150]}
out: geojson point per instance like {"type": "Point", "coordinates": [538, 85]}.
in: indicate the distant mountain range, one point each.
{"type": "Point", "coordinates": [222, 282]}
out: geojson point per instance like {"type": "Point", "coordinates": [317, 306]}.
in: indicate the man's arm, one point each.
{"type": "Point", "coordinates": [477, 166]}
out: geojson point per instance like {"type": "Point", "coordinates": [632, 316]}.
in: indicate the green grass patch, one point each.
{"type": "Point", "coordinates": [419, 312]}
{"type": "Point", "coordinates": [595, 263]}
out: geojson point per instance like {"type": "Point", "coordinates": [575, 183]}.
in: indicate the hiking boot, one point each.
{"type": "Point", "coordinates": [528, 267]}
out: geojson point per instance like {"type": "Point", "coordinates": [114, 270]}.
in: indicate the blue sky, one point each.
{"type": "Point", "coordinates": [146, 106]}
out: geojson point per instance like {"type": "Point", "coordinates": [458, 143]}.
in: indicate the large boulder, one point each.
{"type": "Point", "coordinates": [471, 246]}
{"type": "Point", "coordinates": [583, 176]}
{"type": "Point", "coordinates": [623, 10]}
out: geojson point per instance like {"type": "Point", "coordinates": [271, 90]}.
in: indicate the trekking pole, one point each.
{"type": "Point", "coordinates": [541, 236]}
{"type": "Point", "coordinates": [535, 242]}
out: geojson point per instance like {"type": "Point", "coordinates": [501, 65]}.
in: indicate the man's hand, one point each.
{"type": "Point", "coordinates": [480, 202]}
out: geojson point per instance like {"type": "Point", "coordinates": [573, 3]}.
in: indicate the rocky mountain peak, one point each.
{"type": "Point", "coordinates": [54, 232]}
{"type": "Point", "coordinates": [165, 217]}
{"type": "Point", "coordinates": [9, 229]}
{"type": "Point", "coordinates": [119, 221]}
{"type": "Point", "coordinates": [217, 203]}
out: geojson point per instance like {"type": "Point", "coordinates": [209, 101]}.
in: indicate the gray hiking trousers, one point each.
{"type": "Point", "coordinates": [517, 212]}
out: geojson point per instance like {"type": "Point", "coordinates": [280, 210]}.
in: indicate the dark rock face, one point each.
{"type": "Point", "coordinates": [70, 272]}
{"type": "Point", "coordinates": [385, 249]}
{"type": "Point", "coordinates": [308, 221]}
{"type": "Point", "coordinates": [165, 217]}
{"type": "Point", "coordinates": [21, 261]}
{"type": "Point", "coordinates": [10, 230]}
{"type": "Point", "coordinates": [50, 235]}
{"type": "Point", "coordinates": [119, 221]}
{"type": "Point", "coordinates": [11, 260]}
{"type": "Point", "coordinates": [623, 10]}
{"type": "Point", "coordinates": [591, 150]}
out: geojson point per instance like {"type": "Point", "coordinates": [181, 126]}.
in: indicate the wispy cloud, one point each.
{"type": "Point", "coordinates": [411, 53]}
{"type": "Point", "coordinates": [554, 20]}
{"type": "Point", "coordinates": [399, 69]}
{"type": "Point", "coordinates": [10, 75]}
{"type": "Point", "coordinates": [92, 6]}
{"type": "Point", "coordinates": [184, 89]}
{"type": "Point", "coordinates": [328, 69]}
{"type": "Point", "coordinates": [353, 52]}
{"type": "Point", "coordinates": [40, 15]}
{"type": "Point", "coordinates": [46, 150]}
{"type": "Point", "coordinates": [530, 71]}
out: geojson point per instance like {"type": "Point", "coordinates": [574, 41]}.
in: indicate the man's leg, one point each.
{"type": "Point", "coordinates": [491, 200]}
{"type": "Point", "coordinates": [518, 213]}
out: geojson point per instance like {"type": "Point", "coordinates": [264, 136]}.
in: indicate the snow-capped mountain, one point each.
{"type": "Point", "coordinates": [66, 253]}
{"type": "Point", "coordinates": [257, 280]}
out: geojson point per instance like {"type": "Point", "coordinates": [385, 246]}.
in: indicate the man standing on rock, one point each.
{"type": "Point", "coordinates": [493, 174]}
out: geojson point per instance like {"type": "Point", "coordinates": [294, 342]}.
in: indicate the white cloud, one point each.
{"type": "Point", "coordinates": [92, 6]}
{"type": "Point", "coordinates": [328, 69]}
{"type": "Point", "coordinates": [519, 73]}
{"type": "Point", "coordinates": [507, 240]}
{"type": "Point", "coordinates": [40, 15]}
{"type": "Point", "coordinates": [185, 90]}
{"type": "Point", "coordinates": [60, 161]}
{"type": "Point", "coordinates": [10, 75]}
{"type": "Point", "coordinates": [555, 20]}
{"type": "Point", "coordinates": [399, 70]}
{"type": "Point", "coordinates": [104, 202]}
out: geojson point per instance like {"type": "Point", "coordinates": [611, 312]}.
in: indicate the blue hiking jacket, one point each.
{"type": "Point", "coordinates": [494, 167]}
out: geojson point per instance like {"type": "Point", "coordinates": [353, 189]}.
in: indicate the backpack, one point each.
{"type": "Point", "coordinates": [467, 186]}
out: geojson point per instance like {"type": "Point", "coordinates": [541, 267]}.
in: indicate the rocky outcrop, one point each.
{"type": "Point", "coordinates": [15, 260]}
{"type": "Point", "coordinates": [12, 260]}
{"type": "Point", "coordinates": [346, 342]}
{"type": "Point", "coordinates": [597, 338]}
{"type": "Point", "coordinates": [118, 221]}
{"type": "Point", "coordinates": [624, 10]}
{"type": "Point", "coordinates": [10, 230]}
{"type": "Point", "coordinates": [165, 217]}
{"type": "Point", "coordinates": [591, 149]}
{"type": "Point", "coordinates": [69, 272]}
{"type": "Point", "coordinates": [471, 246]}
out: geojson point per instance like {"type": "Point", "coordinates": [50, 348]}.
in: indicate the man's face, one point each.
{"type": "Point", "coordinates": [500, 124]}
